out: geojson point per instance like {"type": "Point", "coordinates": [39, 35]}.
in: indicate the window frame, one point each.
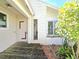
{"type": "Point", "coordinates": [53, 28]}
{"type": "Point", "coordinates": [50, 29]}
{"type": "Point", "coordinates": [7, 22]}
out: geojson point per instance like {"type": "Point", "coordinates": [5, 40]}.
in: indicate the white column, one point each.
{"type": "Point", "coordinates": [30, 29]}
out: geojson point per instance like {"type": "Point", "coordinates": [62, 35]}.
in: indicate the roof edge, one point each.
{"type": "Point", "coordinates": [49, 5]}
{"type": "Point", "coordinates": [26, 1]}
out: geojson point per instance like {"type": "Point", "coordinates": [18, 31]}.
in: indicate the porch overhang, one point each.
{"type": "Point", "coordinates": [31, 10]}
{"type": "Point", "coordinates": [22, 7]}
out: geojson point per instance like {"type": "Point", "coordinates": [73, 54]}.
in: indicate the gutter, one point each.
{"type": "Point", "coordinates": [31, 10]}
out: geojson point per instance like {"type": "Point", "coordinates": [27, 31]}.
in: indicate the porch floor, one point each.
{"type": "Point", "coordinates": [22, 50]}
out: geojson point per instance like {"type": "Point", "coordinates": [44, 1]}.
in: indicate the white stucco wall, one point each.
{"type": "Point", "coordinates": [24, 28]}
{"type": "Point", "coordinates": [8, 35]}
{"type": "Point", "coordinates": [43, 14]}
{"type": "Point", "coordinates": [40, 14]}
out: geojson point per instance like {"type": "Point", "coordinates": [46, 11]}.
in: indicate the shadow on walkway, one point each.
{"type": "Point", "coordinates": [22, 50]}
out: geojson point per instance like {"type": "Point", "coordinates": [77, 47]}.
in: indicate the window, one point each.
{"type": "Point", "coordinates": [3, 19]}
{"type": "Point", "coordinates": [55, 28]}
{"type": "Point", "coordinates": [51, 27]}
{"type": "Point", "coordinates": [35, 29]}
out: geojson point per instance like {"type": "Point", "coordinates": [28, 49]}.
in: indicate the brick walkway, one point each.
{"type": "Point", "coordinates": [22, 50]}
{"type": "Point", "coordinates": [50, 54]}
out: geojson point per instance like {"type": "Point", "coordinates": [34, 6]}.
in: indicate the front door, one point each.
{"type": "Point", "coordinates": [23, 30]}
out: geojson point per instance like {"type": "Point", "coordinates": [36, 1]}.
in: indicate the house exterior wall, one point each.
{"type": "Point", "coordinates": [43, 14]}
{"type": "Point", "coordinates": [40, 14]}
{"type": "Point", "coordinates": [9, 35]}
{"type": "Point", "coordinates": [23, 28]}
{"type": "Point", "coordinates": [52, 14]}
{"type": "Point", "coordinates": [13, 33]}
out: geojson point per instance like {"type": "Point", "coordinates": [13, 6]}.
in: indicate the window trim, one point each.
{"type": "Point", "coordinates": [52, 35]}
{"type": "Point", "coordinates": [7, 21]}
{"type": "Point", "coordinates": [50, 29]}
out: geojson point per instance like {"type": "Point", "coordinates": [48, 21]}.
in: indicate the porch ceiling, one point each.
{"type": "Point", "coordinates": [21, 6]}
{"type": "Point", "coordinates": [4, 4]}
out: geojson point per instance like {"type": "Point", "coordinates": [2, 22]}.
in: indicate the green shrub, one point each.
{"type": "Point", "coordinates": [65, 52]}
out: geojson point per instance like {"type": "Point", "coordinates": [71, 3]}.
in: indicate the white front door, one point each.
{"type": "Point", "coordinates": [23, 30]}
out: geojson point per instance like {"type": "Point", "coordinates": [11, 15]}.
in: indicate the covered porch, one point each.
{"type": "Point", "coordinates": [18, 22]}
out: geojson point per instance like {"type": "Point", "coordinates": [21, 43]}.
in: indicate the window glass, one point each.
{"type": "Point", "coordinates": [55, 27]}
{"type": "Point", "coordinates": [50, 27]}
{"type": "Point", "coordinates": [3, 20]}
